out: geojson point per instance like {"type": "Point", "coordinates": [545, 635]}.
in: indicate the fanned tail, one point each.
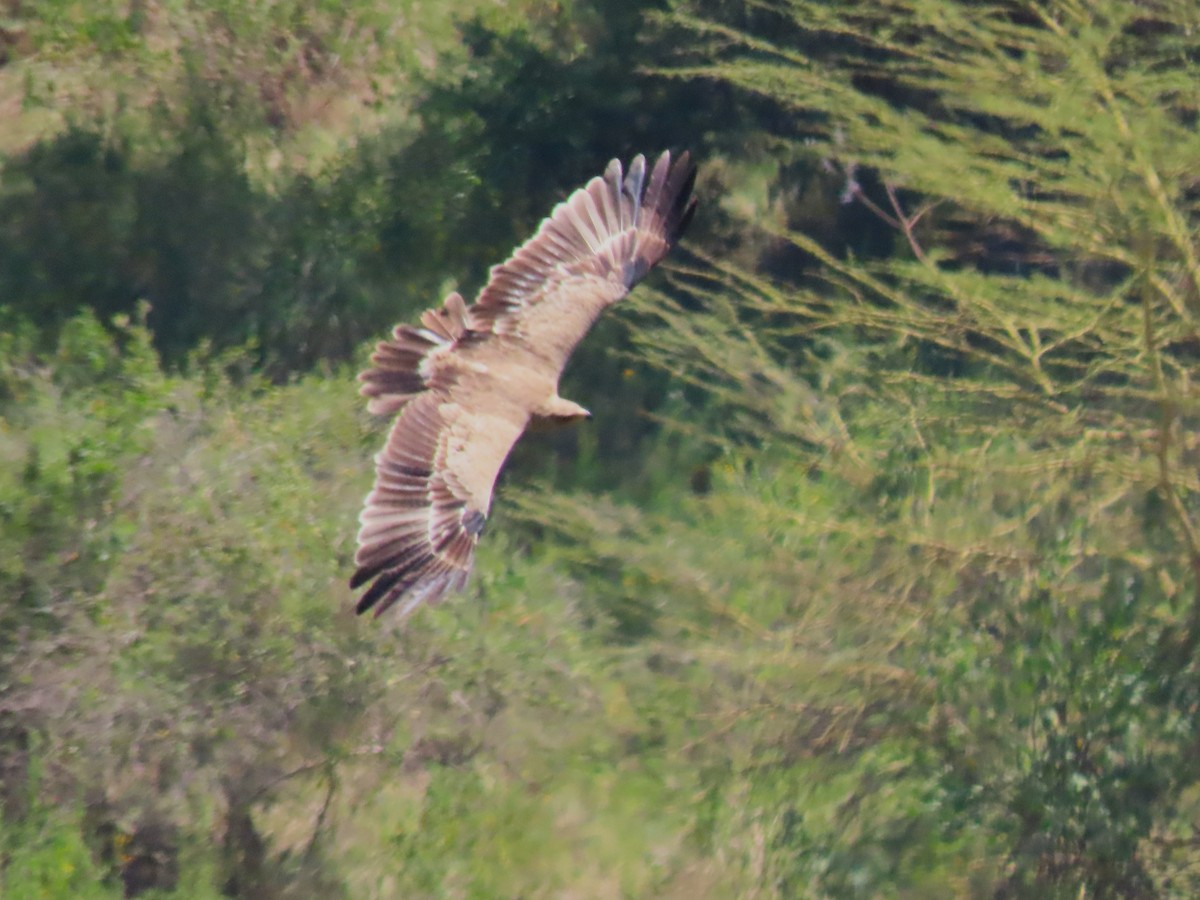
{"type": "Point", "coordinates": [398, 367]}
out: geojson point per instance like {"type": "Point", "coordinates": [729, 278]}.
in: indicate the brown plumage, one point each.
{"type": "Point", "coordinates": [469, 380]}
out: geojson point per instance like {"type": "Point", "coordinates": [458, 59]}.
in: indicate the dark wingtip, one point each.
{"type": "Point", "coordinates": [681, 181]}
{"type": "Point", "coordinates": [381, 586]}
{"type": "Point", "coordinates": [388, 585]}
{"type": "Point", "coordinates": [684, 220]}
{"type": "Point", "coordinates": [391, 587]}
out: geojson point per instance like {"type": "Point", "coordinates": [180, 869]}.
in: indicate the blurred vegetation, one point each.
{"type": "Point", "coordinates": [875, 575]}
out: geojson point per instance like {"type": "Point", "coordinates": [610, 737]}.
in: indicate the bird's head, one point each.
{"type": "Point", "coordinates": [557, 413]}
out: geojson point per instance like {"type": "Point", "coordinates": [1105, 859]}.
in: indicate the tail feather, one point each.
{"type": "Point", "coordinates": [398, 371]}
{"type": "Point", "coordinates": [450, 322]}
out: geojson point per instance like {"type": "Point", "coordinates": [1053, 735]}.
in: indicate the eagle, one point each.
{"type": "Point", "coordinates": [466, 383]}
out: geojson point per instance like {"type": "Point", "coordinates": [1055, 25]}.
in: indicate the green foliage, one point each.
{"type": "Point", "coordinates": [92, 226]}
{"type": "Point", "coordinates": [1000, 474]}
{"type": "Point", "coordinates": [141, 626]}
{"type": "Point", "coordinates": [57, 851]}
{"type": "Point", "coordinates": [46, 857]}
{"type": "Point", "coordinates": [69, 437]}
{"type": "Point", "coordinates": [274, 69]}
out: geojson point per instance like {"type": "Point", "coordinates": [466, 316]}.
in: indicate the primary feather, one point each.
{"type": "Point", "coordinates": [467, 381]}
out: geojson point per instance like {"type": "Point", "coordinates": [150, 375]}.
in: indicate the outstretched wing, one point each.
{"type": "Point", "coordinates": [587, 254]}
{"type": "Point", "coordinates": [432, 493]}
{"type": "Point", "coordinates": [466, 381]}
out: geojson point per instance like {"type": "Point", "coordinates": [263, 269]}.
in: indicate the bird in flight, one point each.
{"type": "Point", "coordinates": [466, 383]}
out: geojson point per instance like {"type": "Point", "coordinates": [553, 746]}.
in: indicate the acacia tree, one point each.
{"type": "Point", "coordinates": [962, 478]}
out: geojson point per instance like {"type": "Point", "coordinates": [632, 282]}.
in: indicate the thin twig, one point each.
{"type": "Point", "coordinates": [331, 788]}
{"type": "Point", "coordinates": [906, 223]}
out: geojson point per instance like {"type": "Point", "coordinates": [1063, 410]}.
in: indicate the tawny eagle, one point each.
{"type": "Point", "coordinates": [468, 381]}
